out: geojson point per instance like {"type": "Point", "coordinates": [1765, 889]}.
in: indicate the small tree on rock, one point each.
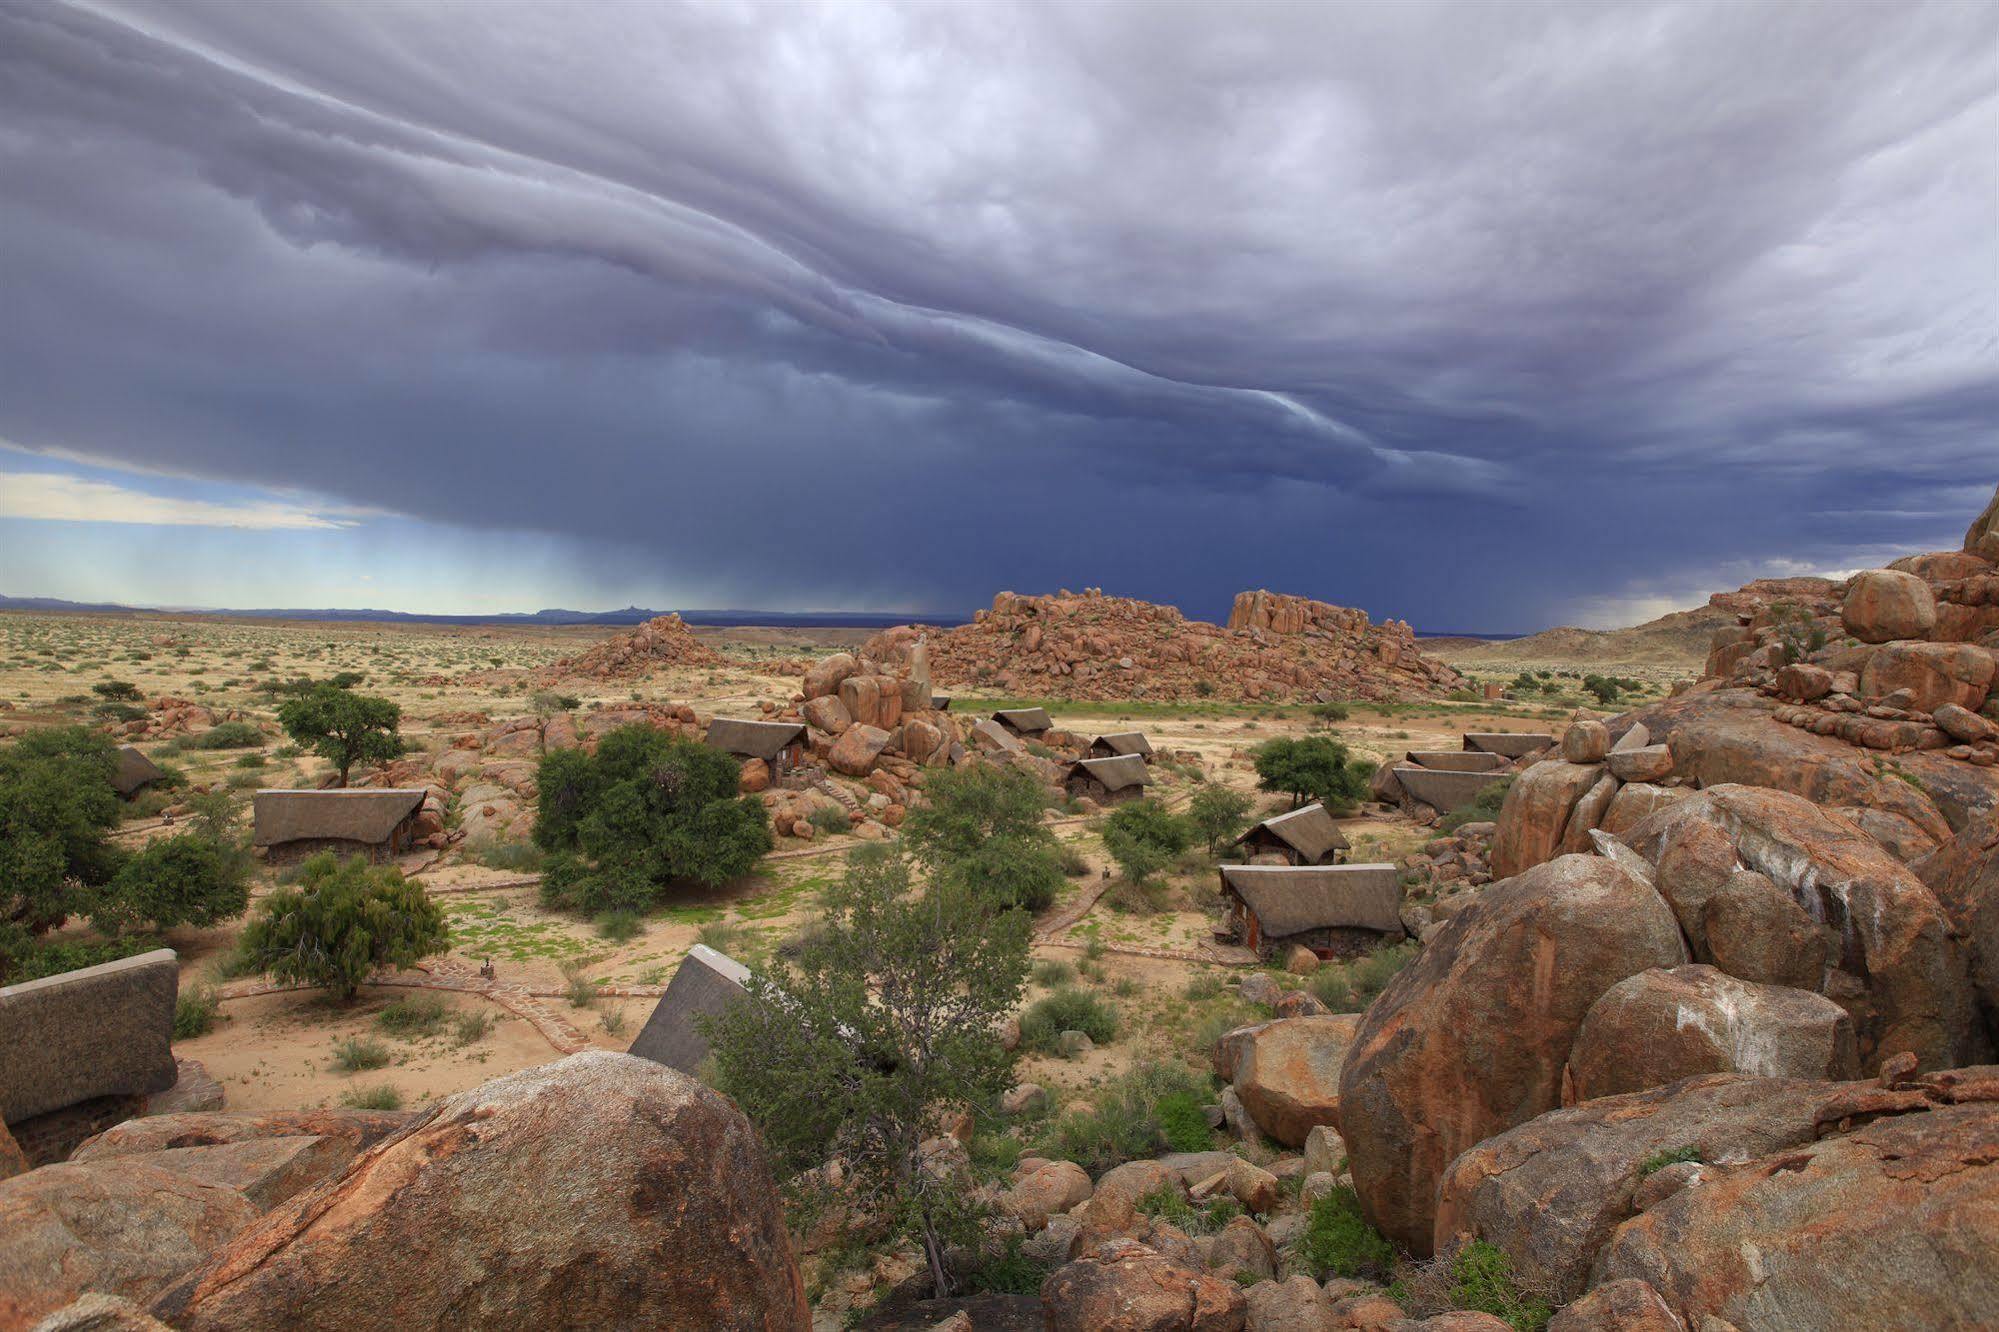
{"type": "Point", "coordinates": [888, 1018]}
{"type": "Point", "coordinates": [343, 727]}
{"type": "Point", "coordinates": [1316, 767]}
{"type": "Point", "coordinates": [343, 921]}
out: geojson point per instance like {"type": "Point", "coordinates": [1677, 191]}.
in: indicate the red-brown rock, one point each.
{"type": "Point", "coordinates": [1126, 1287]}
{"type": "Point", "coordinates": [1618, 1306]}
{"type": "Point", "coordinates": [1964, 875]}
{"type": "Point", "coordinates": [854, 753]}
{"type": "Point", "coordinates": [1882, 605]}
{"type": "Point", "coordinates": [1934, 674]}
{"type": "Point", "coordinates": [1288, 1073]}
{"type": "Point", "coordinates": [1535, 814]}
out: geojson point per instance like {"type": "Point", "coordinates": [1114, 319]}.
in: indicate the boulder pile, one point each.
{"type": "Point", "coordinates": [1277, 648]}
{"type": "Point", "coordinates": [660, 642]}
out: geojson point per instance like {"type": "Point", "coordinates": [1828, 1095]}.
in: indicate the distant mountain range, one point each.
{"type": "Point", "coordinates": [551, 616]}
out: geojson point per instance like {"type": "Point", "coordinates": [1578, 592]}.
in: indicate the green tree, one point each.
{"type": "Point", "coordinates": [56, 807]}
{"type": "Point", "coordinates": [547, 705]}
{"type": "Point", "coordinates": [187, 879]}
{"type": "Point", "coordinates": [981, 825]}
{"type": "Point", "coordinates": [647, 811]}
{"type": "Point", "coordinates": [1316, 767]}
{"type": "Point", "coordinates": [889, 1016]}
{"type": "Point", "coordinates": [343, 921]}
{"type": "Point", "coordinates": [343, 727]}
{"type": "Point", "coordinates": [1144, 837]}
{"type": "Point", "coordinates": [1219, 812]}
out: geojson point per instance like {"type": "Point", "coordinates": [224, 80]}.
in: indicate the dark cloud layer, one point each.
{"type": "Point", "coordinates": [1484, 314]}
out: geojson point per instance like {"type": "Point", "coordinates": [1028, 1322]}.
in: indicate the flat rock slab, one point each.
{"type": "Point", "coordinates": [101, 1031]}
{"type": "Point", "coordinates": [1507, 743]}
{"type": "Point", "coordinates": [1442, 791]}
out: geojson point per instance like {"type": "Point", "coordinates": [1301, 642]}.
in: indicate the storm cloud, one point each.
{"type": "Point", "coordinates": [1487, 315]}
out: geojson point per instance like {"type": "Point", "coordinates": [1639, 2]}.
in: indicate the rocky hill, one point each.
{"type": "Point", "coordinates": [1274, 648]}
{"type": "Point", "coordinates": [661, 641]}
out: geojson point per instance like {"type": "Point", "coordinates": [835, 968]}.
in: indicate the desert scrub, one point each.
{"type": "Point", "coordinates": [414, 1016]}
{"type": "Point", "coordinates": [1067, 1009]}
{"type": "Point", "coordinates": [829, 820]}
{"type": "Point", "coordinates": [194, 1012]}
{"type": "Point", "coordinates": [357, 1054]}
{"type": "Point", "coordinates": [1482, 808]}
{"type": "Point", "coordinates": [618, 926]}
{"type": "Point", "coordinates": [226, 735]}
{"type": "Point", "coordinates": [1658, 1161]}
{"type": "Point", "coordinates": [1350, 987]}
{"type": "Point", "coordinates": [1183, 1123]}
{"type": "Point", "coordinates": [581, 991]}
{"type": "Point", "coordinates": [519, 857]}
{"type": "Point", "coordinates": [1172, 1207]}
{"type": "Point", "coordinates": [1482, 1279]}
{"type": "Point", "coordinates": [1338, 1241]}
{"type": "Point", "coordinates": [471, 1028]}
{"type": "Point", "coordinates": [1052, 972]}
{"type": "Point", "coordinates": [1122, 1124]}
{"type": "Point", "coordinates": [383, 1097]}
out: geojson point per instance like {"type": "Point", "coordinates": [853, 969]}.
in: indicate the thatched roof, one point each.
{"type": "Point", "coordinates": [1309, 831]}
{"type": "Point", "coordinates": [134, 771]}
{"type": "Point", "coordinates": [1290, 899]}
{"type": "Point", "coordinates": [705, 982]}
{"type": "Point", "coordinates": [368, 815]}
{"type": "Point", "coordinates": [755, 739]}
{"type": "Point", "coordinates": [1030, 721]}
{"type": "Point", "coordinates": [1125, 742]}
{"type": "Point", "coordinates": [1115, 773]}
{"type": "Point", "coordinates": [1511, 744]}
{"type": "Point", "coordinates": [940, 702]}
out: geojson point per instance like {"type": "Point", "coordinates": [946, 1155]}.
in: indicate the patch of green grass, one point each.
{"type": "Point", "coordinates": [1658, 1161]}
{"type": "Point", "coordinates": [384, 1096]}
{"type": "Point", "coordinates": [1338, 1241]}
{"type": "Point", "coordinates": [195, 1012]}
{"type": "Point", "coordinates": [1482, 1280]}
{"type": "Point", "coordinates": [1183, 1122]}
{"type": "Point", "coordinates": [357, 1054]}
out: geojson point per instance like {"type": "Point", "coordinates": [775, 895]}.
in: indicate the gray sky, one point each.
{"type": "Point", "coordinates": [1485, 315]}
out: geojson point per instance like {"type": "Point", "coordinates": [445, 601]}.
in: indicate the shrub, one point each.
{"type": "Point", "coordinates": [1144, 837]}
{"type": "Point", "coordinates": [618, 926]}
{"type": "Point", "coordinates": [519, 857]}
{"type": "Point", "coordinates": [1183, 1123]}
{"type": "Point", "coordinates": [1172, 1207]}
{"type": "Point", "coordinates": [186, 879]}
{"type": "Point", "coordinates": [1658, 1161]}
{"type": "Point", "coordinates": [357, 1054]}
{"type": "Point", "coordinates": [1053, 971]}
{"type": "Point", "coordinates": [1338, 1241]}
{"type": "Point", "coordinates": [1074, 863]}
{"type": "Point", "coordinates": [579, 989]}
{"type": "Point", "coordinates": [1218, 813]}
{"type": "Point", "coordinates": [644, 813]}
{"type": "Point", "coordinates": [613, 1022]}
{"type": "Point", "coordinates": [342, 921]}
{"type": "Point", "coordinates": [720, 935]}
{"type": "Point", "coordinates": [1482, 1280]}
{"type": "Point", "coordinates": [1067, 1009]}
{"type": "Point", "coordinates": [980, 826]}
{"type": "Point", "coordinates": [117, 691]}
{"type": "Point", "coordinates": [227, 735]}
{"type": "Point", "coordinates": [1330, 712]}
{"type": "Point", "coordinates": [1122, 1124]}
{"type": "Point", "coordinates": [1011, 1273]}
{"type": "Point", "coordinates": [1482, 808]}
{"type": "Point", "coordinates": [56, 807]}
{"type": "Point", "coordinates": [471, 1027]}
{"type": "Point", "coordinates": [1316, 767]}
{"type": "Point", "coordinates": [383, 1097]}
{"type": "Point", "coordinates": [417, 1015]}
{"type": "Point", "coordinates": [194, 1012]}
{"type": "Point", "coordinates": [829, 820]}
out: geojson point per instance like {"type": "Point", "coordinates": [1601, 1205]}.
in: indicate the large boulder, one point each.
{"type": "Point", "coordinates": [1755, 930]}
{"type": "Point", "coordinates": [1535, 814]}
{"type": "Point", "coordinates": [855, 752]}
{"type": "Point", "coordinates": [1126, 1287]}
{"type": "Point", "coordinates": [1471, 1038]}
{"type": "Point", "coordinates": [1964, 875]}
{"type": "Point", "coordinates": [600, 1190]}
{"type": "Point", "coordinates": [1982, 539]}
{"type": "Point", "coordinates": [1046, 1191]}
{"type": "Point", "coordinates": [1553, 1191]}
{"type": "Point", "coordinates": [1893, 961]}
{"type": "Point", "coordinates": [1618, 1306]}
{"type": "Point", "coordinates": [1935, 674]}
{"type": "Point", "coordinates": [264, 1170]}
{"type": "Point", "coordinates": [1663, 1025]}
{"type": "Point", "coordinates": [825, 676]}
{"type": "Point", "coordinates": [1287, 1073]}
{"type": "Point", "coordinates": [1886, 604]}
{"type": "Point", "coordinates": [117, 1227]}
{"type": "Point", "coordinates": [1892, 1227]}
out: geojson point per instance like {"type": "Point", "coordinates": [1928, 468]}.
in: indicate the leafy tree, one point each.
{"type": "Point", "coordinates": [1316, 767]}
{"type": "Point", "coordinates": [344, 920]}
{"type": "Point", "coordinates": [888, 1017]}
{"type": "Point", "coordinates": [648, 810]}
{"type": "Point", "coordinates": [118, 691]}
{"type": "Point", "coordinates": [187, 879]}
{"type": "Point", "coordinates": [56, 806]}
{"type": "Point", "coordinates": [1219, 812]}
{"type": "Point", "coordinates": [343, 727]}
{"type": "Point", "coordinates": [982, 826]}
{"type": "Point", "coordinates": [547, 705]}
{"type": "Point", "coordinates": [1144, 837]}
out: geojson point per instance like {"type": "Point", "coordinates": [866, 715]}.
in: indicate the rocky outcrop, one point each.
{"type": "Point", "coordinates": [1471, 1038]}
{"type": "Point", "coordinates": [359, 1129]}
{"type": "Point", "coordinates": [1091, 646]}
{"type": "Point", "coordinates": [1127, 1287]}
{"type": "Point", "coordinates": [1536, 813]}
{"type": "Point", "coordinates": [1882, 605]}
{"type": "Point", "coordinates": [1964, 875]}
{"type": "Point", "coordinates": [1663, 1025]}
{"type": "Point", "coordinates": [659, 643]}
{"type": "Point", "coordinates": [603, 1190]}
{"type": "Point", "coordinates": [1287, 1073]}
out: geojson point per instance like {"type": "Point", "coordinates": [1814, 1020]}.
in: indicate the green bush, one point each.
{"type": "Point", "coordinates": [1218, 813]}
{"type": "Point", "coordinates": [1349, 987]}
{"type": "Point", "coordinates": [357, 1054]}
{"type": "Point", "coordinates": [186, 879]}
{"type": "Point", "coordinates": [1053, 971]}
{"type": "Point", "coordinates": [227, 735]}
{"type": "Point", "coordinates": [1144, 837]}
{"type": "Point", "coordinates": [1183, 1122]}
{"type": "Point", "coordinates": [981, 826]}
{"type": "Point", "coordinates": [1658, 1161]}
{"type": "Point", "coordinates": [118, 691]}
{"type": "Point", "coordinates": [194, 1012]}
{"type": "Point", "coordinates": [1122, 1123]}
{"type": "Point", "coordinates": [647, 812]}
{"type": "Point", "coordinates": [1482, 1280]}
{"type": "Point", "coordinates": [618, 926]}
{"type": "Point", "coordinates": [343, 727]}
{"type": "Point", "coordinates": [1011, 1273]}
{"type": "Point", "coordinates": [1315, 767]}
{"type": "Point", "coordinates": [342, 922]}
{"type": "Point", "coordinates": [471, 1027]}
{"type": "Point", "coordinates": [27, 959]}
{"type": "Point", "coordinates": [519, 857]}
{"type": "Point", "coordinates": [829, 820]}
{"type": "Point", "coordinates": [414, 1016]}
{"type": "Point", "coordinates": [1067, 1009]}
{"type": "Point", "coordinates": [1338, 1241]}
{"type": "Point", "coordinates": [384, 1097]}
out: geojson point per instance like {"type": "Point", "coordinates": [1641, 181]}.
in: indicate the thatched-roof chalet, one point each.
{"type": "Point", "coordinates": [1108, 779]}
{"type": "Point", "coordinates": [1313, 905]}
{"type": "Point", "coordinates": [1121, 742]}
{"type": "Point", "coordinates": [135, 772]}
{"type": "Point", "coordinates": [1028, 722]}
{"type": "Point", "coordinates": [1306, 836]}
{"type": "Point", "coordinates": [368, 821]}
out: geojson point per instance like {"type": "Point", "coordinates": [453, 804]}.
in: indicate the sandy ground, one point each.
{"type": "Point", "coordinates": [276, 1050]}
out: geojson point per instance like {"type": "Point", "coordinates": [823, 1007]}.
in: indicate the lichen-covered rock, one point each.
{"type": "Point", "coordinates": [1292, 1305]}
{"type": "Point", "coordinates": [1045, 1192]}
{"type": "Point", "coordinates": [1964, 875]}
{"type": "Point", "coordinates": [1618, 1306]}
{"type": "Point", "coordinates": [1663, 1025]}
{"type": "Point", "coordinates": [1471, 1038]}
{"type": "Point", "coordinates": [1935, 675]}
{"type": "Point", "coordinates": [1755, 930]}
{"type": "Point", "coordinates": [600, 1190]}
